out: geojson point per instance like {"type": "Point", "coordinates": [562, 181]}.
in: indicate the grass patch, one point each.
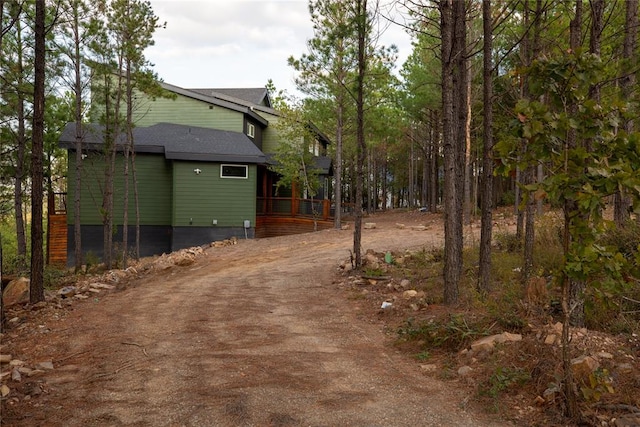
{"type": "Point", "coordinates": [451, 334]}
{"type": "Point", "coordinates": [502, 380]}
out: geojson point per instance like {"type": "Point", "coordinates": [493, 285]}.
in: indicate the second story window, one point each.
{"type": "Point", "coordinates": [251, 130]}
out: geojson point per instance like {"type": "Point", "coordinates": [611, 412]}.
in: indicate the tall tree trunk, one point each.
{"type": "Point", "coordinates": [467, 159]}
{"type": "Point", "coordinates": [361, 24]}
{"type": "Point", "coordinates": [572, 290]}
{"type": "Point", "coordinates": [530, 174]}
{"type": "Point", "coordinates": [528, 177]}
{"type": "Point", "coordinates": [37, 150]}
{"type": "Point", "coordinates": [411, 179]}
{"type": "Point", "coordinates": [77, 226]}
{"type": "Point", "coordinates": [107, 191]}
{"type": "Point", "coordinates": [426, 160]}
{"type": "Point", "coordinates": [435, 139]}
{"type": "Point", "coordinates": [374, 183]}
{"type": "Point", "coordinates": [127, 157]}
{"type": "Point", "coordinates": [451, 276]}
{"type": "Point", "coordinates": [576, 286]}
{"type": "Point", "coordinates": [136, 195]}
{"type": "Point", "coordinates": [454, 74]}
{"type": "Point", "coordinates": [369, 183]}
{"type": "Point", "coordinates": [338, 165]}
{"type": "Point", "coordinates": [1, 37]}
{"type": "Point", "coordinates": [21, 139]}
{"type": "Point", "coordinates": [518, 200]}
{"type": "Point", "coordinates": [112, 137]}
{"type": "Point", "coordinates": [486, 200]}
{"type": "Point", "coordinates": [529, 229]}
{"type": "Point", "coordinates": [622, 201]}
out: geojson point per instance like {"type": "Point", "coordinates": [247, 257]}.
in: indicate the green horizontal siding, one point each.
{"type": "Point", "coordinates": [201, 198]}
{"type": "Point", "coordinates": [270, 137]}
{"type": "Point", "coordinates": [186, 111]}
{"type": "Point", "coordinates": [154, 189]}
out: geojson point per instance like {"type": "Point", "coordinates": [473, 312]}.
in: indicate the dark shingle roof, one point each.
{"type": "Point", "coordinates": [257, 96]}
{"type": "Point", "coordinates": [176, 142]}
{"type": "Point", "coordinates": [323, 164]}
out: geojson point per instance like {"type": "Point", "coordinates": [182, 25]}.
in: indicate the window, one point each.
{"type": "Point", "coordinates": [251, 130]}
{"type": "Point", "coordinates": [315, 148]}
{"type": "Point", "coordinates": [234, 171]}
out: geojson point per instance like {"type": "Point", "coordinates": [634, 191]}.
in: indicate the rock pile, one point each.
{"type": "Point", "coordinates": [17, 291]}
{"type": "Point", "coordinates": [387, 292]}
{"type": "Point", "coordinates": [12, 371]}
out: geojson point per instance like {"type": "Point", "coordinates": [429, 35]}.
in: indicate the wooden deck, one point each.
{"type": "Point", "coordinates": [273, 226]}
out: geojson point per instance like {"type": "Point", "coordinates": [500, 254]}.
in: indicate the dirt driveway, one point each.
{"type": "Point", "coordinates": [256, 334]}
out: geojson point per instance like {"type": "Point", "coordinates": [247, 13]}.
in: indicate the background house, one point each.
{"type": "Point", "coordinates": [202, 166]}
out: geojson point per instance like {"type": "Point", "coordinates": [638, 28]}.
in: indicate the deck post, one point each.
{"type": "Point", "coordinates": [294, 199]}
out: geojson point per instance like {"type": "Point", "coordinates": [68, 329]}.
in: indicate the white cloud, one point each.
{"type": "Point", "coordinates": [232, 43]}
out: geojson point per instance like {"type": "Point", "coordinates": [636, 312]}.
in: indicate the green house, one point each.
{"type": "Point", "coordinates": [202, 171]}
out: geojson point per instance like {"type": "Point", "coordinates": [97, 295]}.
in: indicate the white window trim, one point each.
{"type": "Point", "coordinates": [251, 130]}
{"type": "Point", "coordinates": [246, 170]}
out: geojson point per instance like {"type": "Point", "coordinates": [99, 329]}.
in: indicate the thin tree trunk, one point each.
{"type": "Point", "coordinates": [125, 204]}
{"type": "Point", "coordinates": [435, 139]}
{"type": "Point", "coordinates": [622, 201]}
{"type": "Point", "coordinates": [527, 175]}
{"type": "Point", "coordinates": [486, 225]}
{"type": "Point", "coordinates": [127, 154]}
{"type": "Point", "coordinates": [467, 159]}
{"type": "Point", "coordinates": [107, 191]}
{"type": "Point", "coordinates": [338, 165]}
{"type": "Point", "coordinates": [572, 290]}
{"type": "Point", "coordinates": [529, 229]}
{"type": "Point", "coordinates": [77, 226]}
{"type": "Point", "coordinates": [410, 188]}
{"type": "Point", "coordinates": [361, 18]}
{"type": "Point", "coordinates": [448, 139]}
{"type": "Point", "coordinates": [37, 150]}
{"type": "Point", "coordinates": [111, 139]}
{"type": "Point", "coordinates": [21, 139]}
{"type": "Point", "coordinates": [518, 200]}
{"type": "Point", "coordinates": [577, 287]}
{"type": "Point", "coordinates": [425, 168]}
{"type": "Point", "coordinates": [136, 195]}
{"type": "Point", "coordinates": [2, 53]}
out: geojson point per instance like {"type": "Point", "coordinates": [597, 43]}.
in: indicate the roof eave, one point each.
{"type": "Point", "coordinates": [214, 100]}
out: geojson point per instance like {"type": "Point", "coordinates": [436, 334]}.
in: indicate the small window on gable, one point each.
{"type": "Point", "coordinates": [314, 148]}
{"type": "Point", "coordinates": [251, 130]}
{"type": "Point", "coordinates": [234, 171]}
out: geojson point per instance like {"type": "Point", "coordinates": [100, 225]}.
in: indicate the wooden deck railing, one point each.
{"type": "Point", "coordinates": [57, 203]}
{"type": "Point", "coordinates": [293, 207]}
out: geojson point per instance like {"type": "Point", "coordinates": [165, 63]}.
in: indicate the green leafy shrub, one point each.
{"type": "Point", "coordinates": [502, 380]}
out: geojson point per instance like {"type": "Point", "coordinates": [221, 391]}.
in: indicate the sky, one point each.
{"type": "Point", "coordinates": [238, 43]}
